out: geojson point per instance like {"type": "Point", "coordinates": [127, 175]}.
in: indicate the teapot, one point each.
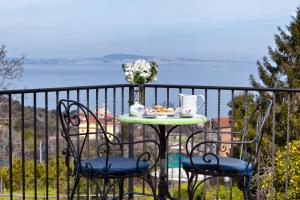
{"type": "Point", "coordinates": [137, 110]}
{"type": "Point", "coordinates": [190, 103]}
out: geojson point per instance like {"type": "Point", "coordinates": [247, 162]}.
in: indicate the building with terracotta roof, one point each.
{"type": "Point", "coordinates": [223, 125]}
{"type": "Point", "coordinates": [106, 118]}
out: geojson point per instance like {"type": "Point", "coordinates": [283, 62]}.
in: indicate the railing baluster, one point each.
{"type": "Point", "coordinates": [46, 145]}
{"type": "Point", "coordinates": [155, 168]}
{"type": "Point", "coordinates": [231, 138]}
{"type": "Point", "coordinates": [131, 147]}
{"type": "Point", "coordinates": [245, 134]}
{"type": "Point", "coordinates": [273, 145]}
{"type": "Point", "coordinates": [144, 127]}
{"type": "Point", "coordinates": [122, 112]}
{"type": "Point", "coordinates": [167, 150]}
{"type": "Point", "coordinates": [122, 100]}
{"type": "Point", "coordinates": [88, 140]}
{"type": "Point", "coordinates": [205, 133]}
{"type": "Point", "coordinates": [57, 146]}
{"type": "Point", "coordinates": [168, 97]}
{"type": "Point", "coordinates": [219, 138]}
{"type": "Point", "coordinates": [179, 171]}
{"type": "Point", "coordinates": [10, 147]}
{"type": "Point", "coordinates": [192, 131]}
{"type": "Point", "coordinates": [97, 130]}
{"type": "Point", "coordinates": [78, 139]}
{"type": "Point", "coordinates": [97, 116]}
{"type": "Point", "coordinates": [23, 148]}
{"type": "Point", "coordinates": [258, 158]}
{"type": "Point", "coordinates": [35, 146]}
{"type": "Point", "coordinates": [114, 128]}
{"type": "Point", "coordinates": [105, 111]}
{"type": "Point", "coordinates": [287, 148]}
{"type": "Point", "coordinates": [68, 147]}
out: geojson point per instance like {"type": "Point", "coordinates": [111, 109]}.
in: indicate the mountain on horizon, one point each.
{"type": "Point", "coordinates": [119, 58]}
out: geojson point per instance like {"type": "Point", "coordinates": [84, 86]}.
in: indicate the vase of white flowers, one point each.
{"type": "Point", "coordinates": [139, 73]}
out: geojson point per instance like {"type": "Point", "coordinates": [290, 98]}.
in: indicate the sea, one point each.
{"type": "Point", "coordinates": [205, 74]}
{"type": "Point", "coordinates": [216, 74]}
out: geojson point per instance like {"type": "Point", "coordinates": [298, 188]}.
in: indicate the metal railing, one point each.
{"type": "Point", "coordinates": [32, 165]}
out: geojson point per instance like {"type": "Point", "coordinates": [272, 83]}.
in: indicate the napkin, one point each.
{"type": "Point", "coordinates": [162, 117]}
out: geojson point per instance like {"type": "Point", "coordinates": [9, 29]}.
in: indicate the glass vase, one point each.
{"type": "Point", "coordinates": [142, 94]}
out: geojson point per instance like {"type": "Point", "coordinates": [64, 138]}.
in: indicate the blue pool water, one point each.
{"type": "Point", "coordinates": [174, 159]}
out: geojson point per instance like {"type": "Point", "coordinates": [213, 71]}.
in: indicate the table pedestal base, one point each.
{"type": "Point", "coordinates": [163, 188]}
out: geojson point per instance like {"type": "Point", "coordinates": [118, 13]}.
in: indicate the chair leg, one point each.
{"type": "Point", "coordinates": [194, 184]}
{"type": "Point", "coordinates": [105, 189]}
{"type": "Point", "coordinates": [121, 188]}
{"type": "Point", "coordinates": [148, 179]}
{"type": "Point", "coordinates": [246, 188]}
{"type": "Point", "coordinates": [190, 178]}
{"type": "Point", "coordinates": [76, 181]}
{"type": "Point", "coordinates": [97, 190]}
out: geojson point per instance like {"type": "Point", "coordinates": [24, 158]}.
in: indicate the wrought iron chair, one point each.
{"type": "Point", "coordinates": [203, 158]}
{"type": "Point", "coordinates": [110, 169]}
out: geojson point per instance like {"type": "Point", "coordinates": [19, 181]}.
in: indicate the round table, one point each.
{"type": "Point", "coordinates": [163, 135]}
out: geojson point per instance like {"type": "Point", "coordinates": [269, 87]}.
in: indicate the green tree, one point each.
{"type": "Point", "coordinates": [9, 68]}
{"type": "Point", "coordinates": [241, 107]}
{"type": "Point", "coordinates": [280, 173]}
{"type": "Point", "coordinates": [282, 70]}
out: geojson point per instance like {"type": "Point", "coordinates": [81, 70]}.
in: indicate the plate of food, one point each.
{"type": "Point", "coordinates": [161, 110]}
{"type": "Point", "coordinates": [150, 116]}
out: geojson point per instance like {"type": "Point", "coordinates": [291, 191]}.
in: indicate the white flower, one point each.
{"type": "Point", "coordinates": [145, 75]}
{"type": "Point", "coordinates": [140, 69]}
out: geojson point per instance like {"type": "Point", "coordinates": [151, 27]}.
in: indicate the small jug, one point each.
{"type": "Point", "coordinates": [190, 102]}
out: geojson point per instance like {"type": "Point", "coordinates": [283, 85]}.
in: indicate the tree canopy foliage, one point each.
{"type": "Point", "coordinates": [280, 69]}
{"type": "Point", "coordinates": [10, 68]}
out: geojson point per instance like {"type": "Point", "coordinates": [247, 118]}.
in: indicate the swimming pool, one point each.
{"type": "Point", "coordinates": [174, 159]}
{"type": "Point", "coordinates": [174, 172]}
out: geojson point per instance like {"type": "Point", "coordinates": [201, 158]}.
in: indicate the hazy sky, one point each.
{"type": "Point", "coordinates": [208, 29]}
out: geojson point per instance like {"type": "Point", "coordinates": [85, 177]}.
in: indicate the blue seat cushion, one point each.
{"type": "Point", "coordinates": [119, 166]}
{"type": "Point", "coordinates": [226, 164]}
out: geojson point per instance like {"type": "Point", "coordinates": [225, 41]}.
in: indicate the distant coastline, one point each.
{"type": "Point", "coordinates": [125, 58]}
